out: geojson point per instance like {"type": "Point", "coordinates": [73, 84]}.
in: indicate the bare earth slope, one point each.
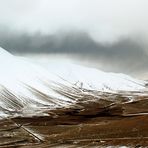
{"type": "Point", "coordinates": [95, 124]}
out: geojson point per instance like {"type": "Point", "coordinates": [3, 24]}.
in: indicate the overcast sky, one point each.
{"type": "Point", "coordinates": [115, 31]}
{"type": "Point", "coordinates": [105, 20]}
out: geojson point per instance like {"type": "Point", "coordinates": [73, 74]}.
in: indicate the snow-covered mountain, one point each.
{"type": "Point", "coordinates": [26, 87]}
{"type": "Point", "coordinates": [94, 79]}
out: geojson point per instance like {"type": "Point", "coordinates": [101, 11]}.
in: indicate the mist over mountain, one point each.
{"type": "Point", "coordinates": [126, 53]}
{"type": "Point", "coordinates": [71, 42]}
{"type": "Point", "coordinates": [109, 33]}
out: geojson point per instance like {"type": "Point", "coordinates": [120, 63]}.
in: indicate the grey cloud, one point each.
{"type": "Point", "coordinates": [127, 54]}
{"type": "Point", "coordinates": [104, 20]}
{"type": "Point", "coordinates": [113, 33]}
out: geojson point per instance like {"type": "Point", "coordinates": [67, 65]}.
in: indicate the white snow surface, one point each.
{"type": "Point", "coordinates": [94, 79]}
{"type": "Point", "coordinates": [25, 86]}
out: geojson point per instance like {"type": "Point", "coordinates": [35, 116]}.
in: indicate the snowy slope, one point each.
{"type": "Point", "coordinates": [94, 79]}
{"type": "Point", "coordinates": [26, 87]}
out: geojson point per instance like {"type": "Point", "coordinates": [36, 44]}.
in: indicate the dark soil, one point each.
{"type": "Point", "coordinates": [97, 124]}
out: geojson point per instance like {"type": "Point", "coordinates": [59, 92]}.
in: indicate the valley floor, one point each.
{"type": "Point", "coordinates": [98, 124]}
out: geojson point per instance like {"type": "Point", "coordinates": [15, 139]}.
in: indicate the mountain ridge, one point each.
{"type": "Point", "coordinates": [26, 88]}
